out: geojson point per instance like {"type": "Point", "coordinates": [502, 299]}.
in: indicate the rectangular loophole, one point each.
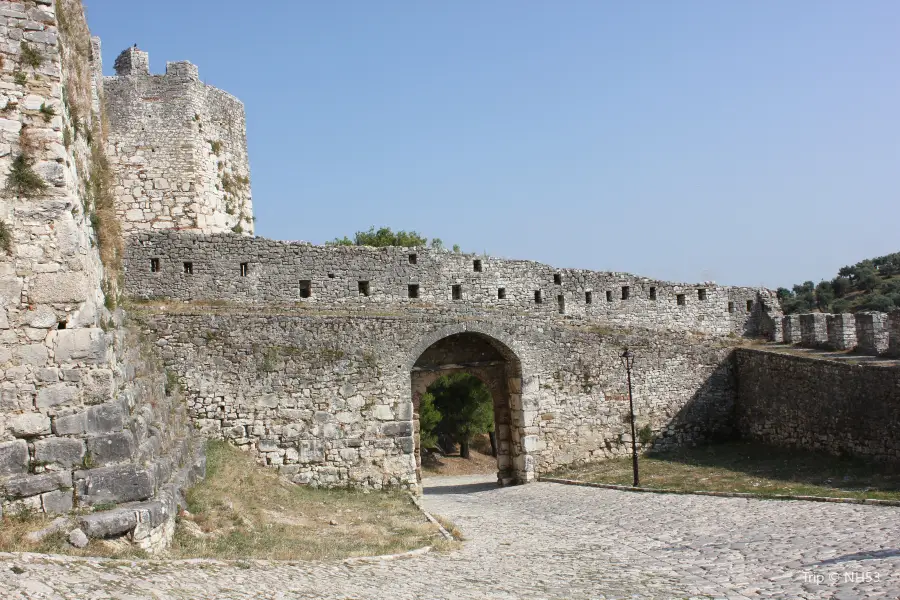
{"type": "Point", "coordinates": [561, 302]}
{"type": "Point", "coordinates": [588, 297]}
{"type": "Point", "coordinates": [412, 259]}
{"type": "Point", "coordinates": [245, 269]}
{"type": "Point", "coordinates": [626, 292]}
{"type": "Point", "coordinates": [363, 288]}
{"type": "Point", "coordinates": [701, 294]}
{"type": "Point", "coordinates": [305, 288]}
{"type": "Point", "coordinates": [412, 290]}
{"type": "Point", "coordinates": [731, 307]}
{"type": "Point", "coordinates": [154, 265]}
{"type": "Point", "coordinates": [679, 298]}
{"type": "Point", "coordinates": [608, 295]}
{"type": "Point", "coordinates": [331, 276]}
{"type": "Point", "coordinates": [749, 305]}
{"type": "Point", "coordinates": [457, 292]}
{"type": "Point", "coordinates": [476, 265]}
{"type": "Point", "coordinates": [501, 293]}
{"type": "Point", "coordinates": [537, 297]}
{"type": "Point", "coordinates": [188, 268]}
{"type": "Point", "coordinates": [653, 293]}
{"type": "Point", "coordinates": [557, 279]}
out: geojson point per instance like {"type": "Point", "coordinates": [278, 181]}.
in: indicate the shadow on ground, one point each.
{"type": "Point", "coordinates": [462, 488]}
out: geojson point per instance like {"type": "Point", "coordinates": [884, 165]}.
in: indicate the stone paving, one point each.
{"type": "Point", "coordinates": [544, 540]}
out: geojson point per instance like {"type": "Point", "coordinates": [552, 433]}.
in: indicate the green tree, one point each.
{"type": "Point", "coordinates": [466, 408]}
{"type": "Point", "coordinates": [381, 238]}
{"type": "Point", "coordinates": [429, 419]}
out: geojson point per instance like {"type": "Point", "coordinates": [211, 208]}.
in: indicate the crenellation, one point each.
{"type": "Point", "coordinates": [841, 331]}
{"type": "Point", "coordinates": [872, 333]}
{"type": "Point", "coordinates": [813, 330]}
{"type": "Point", "coordinates": [132, 62]}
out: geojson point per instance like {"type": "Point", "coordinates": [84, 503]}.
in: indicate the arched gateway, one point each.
{"type": "Point", "coordinates": [471, 349]}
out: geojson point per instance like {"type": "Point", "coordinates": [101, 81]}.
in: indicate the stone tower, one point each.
{"type": "Point", "coordinates": [178, 148]}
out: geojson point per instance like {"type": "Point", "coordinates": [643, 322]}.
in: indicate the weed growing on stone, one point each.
{"type": "Point", "coordinates": [47, 112]}
{"type": "Point", "coordinates": [6, 237]}
{"type": "Point", "coordinates": [30, 56]}
{"type": "Point", "coordinates": [22, 179]}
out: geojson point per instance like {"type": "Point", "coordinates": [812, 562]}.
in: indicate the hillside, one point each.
{"type": "Point", "coordinates": [872, 284]}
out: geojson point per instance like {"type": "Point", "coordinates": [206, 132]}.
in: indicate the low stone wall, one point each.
{"type": "Point", "coordinates": [812, 403]}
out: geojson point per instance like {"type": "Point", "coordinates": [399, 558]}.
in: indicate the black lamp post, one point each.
{"type": "Point", "coordinates": [628, 360]}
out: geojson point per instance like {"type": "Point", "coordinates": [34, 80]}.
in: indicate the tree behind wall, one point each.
{"type": "Point", "coordinates": [464, 406]}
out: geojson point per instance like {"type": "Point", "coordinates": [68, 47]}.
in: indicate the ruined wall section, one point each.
{"type": "Point", "coordinates": [815, 403]}
{"type": "Point", "coordinates": [328, 399]}
{"type": "Point", "coordinates": [232, 268]}
{"type": "Point", "coordinates": [178, 148]}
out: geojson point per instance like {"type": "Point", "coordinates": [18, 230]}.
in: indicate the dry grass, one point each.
{"type": "Point", "coordinates": [750, 468]}
{"type": "Point", "coordinates": [242, 510]}
{"type": "Point", "coordinates": [16, 526]}
{"type": "Point", "coordinates": [480, 461]}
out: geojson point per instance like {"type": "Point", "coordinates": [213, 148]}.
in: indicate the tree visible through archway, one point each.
{"type": "Point", "coordinates": [455, 409]}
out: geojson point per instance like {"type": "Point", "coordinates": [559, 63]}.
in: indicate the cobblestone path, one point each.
{"type": "Point", "coordinates": [545, 540]}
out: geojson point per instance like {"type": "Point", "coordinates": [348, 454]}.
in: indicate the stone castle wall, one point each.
{"type": "Point", "coordinates": [357, 279]}
{"type": "Point", "coordinates": [820, 404]}
{"type": "Point", "coordinates": [84, 417]}
{"type": "Point", "coordinates": [331, 399]}
{"type": "Point", "coordinates": [179, 149]}
{"type": "Point", "coordinates": [871, 333]}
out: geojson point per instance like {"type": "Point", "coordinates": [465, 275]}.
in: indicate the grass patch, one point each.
{"type": "Point", "coordinates": [14, 527]}
{"type": "Point", "coordinates": [245, 511]}
{"type": "Point", "coordinates": [750, 468]}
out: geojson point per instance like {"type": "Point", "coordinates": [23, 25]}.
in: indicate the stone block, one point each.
{"type": "Point", "coordinates": [13, 457]}
{"type": "Point", "coordinates": [34, 355]}
{"type": "Point", "coordinates": [22, 486]}
{"type": "Point", "coordinates": [58, 288]}
{"type": "Point", "coordinates": [311, 451]}
{"type": "Point", "coordinates": [894, 333]}
{"type": "Point", "coordinates": [57, 502]}
{"type": "Point", "coordinates": [70, 424]}
{"type": "Point", "coordinates": [29, 425]}
{"type": "Point", "coordinates": [791, 329]}
{"type": "Point", "coordinates": [111, 448]}
{"type": "Point", "coordinates": [66, 452]}
{"type": "Point", "coordinates": [397, 428]}
{"type": "Point", "coordinates": [98, 386]}
{"type": "Point", "coordinates": [122, 483]}
{"type": "Point", "coordinates": [80, 345]}
{"type": "Point", "coordinates": [56, 394]}
{"type": "Point", "coordinates": [105, 418]}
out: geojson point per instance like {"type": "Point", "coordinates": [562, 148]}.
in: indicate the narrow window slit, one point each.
{"type": "Point", "coordinates": [188, 268]}
{"type": "Point", "coordinates": [476, 265]}
{"type": "Point", "coordinates": [561, 301]}
{"type": "Point", "coordinates": [731, 307]}
{"type": "Point", "coordinates": [588, 297]}
{"type": "Point", "coordinates": [412, 259]}
{"type": "Point", "coordinates": [609, 296]}
{"type": "Point", "coordinates": [653, 293]}
{"type": "Point", "coordinates": [413, 290]}
{"type": "Point", "coordinates": [245, 269]}
{"type": "Point", "coordinates": [363, 288]}
{"type": "Point", "coordinates": [557, 279]}
{"type": "Point", "coordinates": [749, 305]}
{"type": "Point", "coordinates": [626, 292]}
{"type": "Point", "coordinates": [537, 297]}
{"type": "Point", "coordinates": [679, 298]}
{"type": "Point", "coordinates": [154, 265]}
{"type": "Point", "coordinates": [501, 293]}
{"type": "Point", "coordinates": [457, 292]}
{"type": "Point", "coordinates": [305, 288]}
{"type": "Point", "coordinates": [701, 294]}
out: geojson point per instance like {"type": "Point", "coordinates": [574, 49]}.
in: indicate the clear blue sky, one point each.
{"type": "Point", "coordinates": [751, 143]}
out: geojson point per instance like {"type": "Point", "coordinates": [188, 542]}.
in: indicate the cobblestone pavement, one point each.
{"type": "Point", "coordinates": [544, 540]}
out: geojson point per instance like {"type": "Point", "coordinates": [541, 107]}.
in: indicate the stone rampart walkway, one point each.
{"type": "Point", "coordinates": [546, 541]}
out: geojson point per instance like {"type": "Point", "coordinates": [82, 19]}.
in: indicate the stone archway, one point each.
{"type": "Point", "coordinates": [500, 369]}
